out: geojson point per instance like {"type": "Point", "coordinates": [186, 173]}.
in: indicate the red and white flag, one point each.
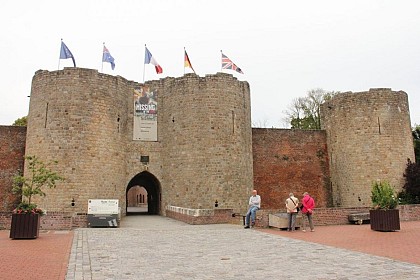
{"type": "Point", "coordinates": [149, 58]}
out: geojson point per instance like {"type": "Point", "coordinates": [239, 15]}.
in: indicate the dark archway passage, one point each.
{"type": "Point", "coordinates": [152, 186]}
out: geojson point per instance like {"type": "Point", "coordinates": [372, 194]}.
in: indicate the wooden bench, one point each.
{"type": "Point", "coordinates": [359, 218]}
{"type": "Point", "coordinates": [257, 217]}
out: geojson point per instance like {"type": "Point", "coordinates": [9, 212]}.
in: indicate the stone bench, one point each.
{"type": "Point", "coordinates": [359, 218]}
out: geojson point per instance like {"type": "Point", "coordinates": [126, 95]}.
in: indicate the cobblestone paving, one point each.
{"type": "Point", "coordinates": [155, 247]}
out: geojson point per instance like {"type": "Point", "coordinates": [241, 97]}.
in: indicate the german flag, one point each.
{"type": "Point", "coordinates": [187, 62]}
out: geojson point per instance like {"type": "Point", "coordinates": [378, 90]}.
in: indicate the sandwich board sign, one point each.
{"type": "Point", "coordinates": [103, 212]}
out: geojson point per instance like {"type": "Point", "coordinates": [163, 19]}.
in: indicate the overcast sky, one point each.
{"type": "Point", "coordinates": [284, 48]}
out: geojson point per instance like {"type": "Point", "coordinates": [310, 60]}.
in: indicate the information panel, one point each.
{"type": "Point", "coordinates": [103, 206]}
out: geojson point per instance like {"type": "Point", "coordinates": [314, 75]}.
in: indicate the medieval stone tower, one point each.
{"type": "Point", "coordinates": [186, 140]}
{"type": "Point", "coordinates": [368, 139]}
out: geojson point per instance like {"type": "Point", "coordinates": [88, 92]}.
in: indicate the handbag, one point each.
{"type": "Point", "coordinates": [297, 208]}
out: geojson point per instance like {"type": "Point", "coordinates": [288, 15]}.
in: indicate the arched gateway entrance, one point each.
{"type": "Point", "coordinates": [148, 194]}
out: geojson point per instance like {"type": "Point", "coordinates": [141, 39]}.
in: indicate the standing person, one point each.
{"type": "Point", "coordinates": [253, 205]}
{"type": "Point", "coordinates": [308, 205]}
{"type": "Point", "coordinates": [291, 207]}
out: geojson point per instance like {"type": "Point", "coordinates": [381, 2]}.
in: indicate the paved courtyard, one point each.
{"type": "Point", "coordinates": [155, 247]}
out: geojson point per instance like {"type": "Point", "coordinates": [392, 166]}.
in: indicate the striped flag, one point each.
{"type": "Point", "coordinates": [228, 64]}
{"type": "Point", "coordinates": [187, 62]}
{"type": "Point", "coordinates": [148, 58]}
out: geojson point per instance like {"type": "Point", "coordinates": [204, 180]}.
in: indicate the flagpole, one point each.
{"type": "Point", "coordinates": [102, 66]}
{"type": "Point", "coordinates": [184, 61]}
{"type": "Point", "coordinates": [60, 55]}
{"type": "Point", "coordinates": [221, 61]}
{"type": "Point", "coordinates": [144, 64]}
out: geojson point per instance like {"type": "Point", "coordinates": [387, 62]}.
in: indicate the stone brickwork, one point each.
{"type": "Point", "coordinates": [339, 215]}
{"type": "Point", "coordinates": [206, 153]}
{"type": "Point", "coordinates": [12, 152]}
{"type": "Point", "coordinates": [84, 120]}
{"type": "Point", "coordinates": [79, 118]}
{"type": "Point", "coordinates": [50, 221]}
{"type": "Point", "coordinates": [200, 216]}
{"type": "Point", "coordinates": [322, 216]}
{"type": "Point", "coordinates": [290, 161]}
{"type": "Point", "coordinates": [368, 138]}
{"type": "Point", "coordinates": [5, 220]}
{"type": "Point", "coordinates": [205, 141]}
{"type": "Point", "coordinates": [137, 197]}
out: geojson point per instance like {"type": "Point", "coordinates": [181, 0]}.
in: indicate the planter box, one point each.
{"type": "Point", "coordinates": [384, 220]}
{"type": "Point", "coordinates": [25, 226]}
{"type": "Point", "coordinates": [280, 220]}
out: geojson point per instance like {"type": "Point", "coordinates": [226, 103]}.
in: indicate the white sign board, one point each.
{"type": "Point", "coordinates": [103, 206]}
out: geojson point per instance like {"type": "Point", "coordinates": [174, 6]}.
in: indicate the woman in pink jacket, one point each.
{"type": "Point", "coordinates": [308, 204]}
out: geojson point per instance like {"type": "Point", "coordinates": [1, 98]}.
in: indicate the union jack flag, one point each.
{"type": "Point", "coordinates": [228, 64]}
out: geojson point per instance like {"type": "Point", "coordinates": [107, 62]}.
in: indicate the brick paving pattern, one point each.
{"type": "Point", "coordinates": [43, 258]}
{"type": "Point", "coordinates": [155, 247]}
{"type": "Point", "coordinates": [400, 245]}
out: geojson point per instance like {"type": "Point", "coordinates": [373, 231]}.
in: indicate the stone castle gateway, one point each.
{"type": "Point", "coordinates": [205, 150]}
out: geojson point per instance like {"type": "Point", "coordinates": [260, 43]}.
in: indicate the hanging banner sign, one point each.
{"type": "Point", "coordinates": [145, 114]}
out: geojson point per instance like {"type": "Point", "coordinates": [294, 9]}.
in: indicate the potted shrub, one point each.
{"type": "Point", "coordinates": [26, 216]}
{"type": "Point", "coordinates": [384, 216]}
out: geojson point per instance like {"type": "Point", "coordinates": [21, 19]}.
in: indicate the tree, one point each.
{"type": "Point", "coordinates": [304, 112]}
{"type": "Point", "coordinates": [416, 139]}
{"type": "Point", "coordinates": [40, 176]}
{"type": "Point", "coordinates": [23, 121]}
{"type": "Point", "coordinates": [411, 193]}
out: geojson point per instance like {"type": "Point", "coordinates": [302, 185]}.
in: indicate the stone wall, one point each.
{"type": "Point", "coordinates": [369, 139]}
{"type": "Point", "coordinates": [200, 216]}
{"type": "Point", "coordinates": [322, 217]}
{"type": "Point", "coordinates": [84, 120]}
{"type": "Point", "coordinates": [50, 221]}
{"type": "Point", "coordinates": [206, 150]}
{"type": "Point", "coordinates": [204, 131]}
{"type": "Point", "coordinates": [290, 161]}
{"type": "Point", "coordinates": [78, 117]}
{"type": "Point", "coordinates": [12, 152]}
{"type": "Point", "coordinates": [137, 197]}
{"type": "Point", "coordinates": [339, 216]}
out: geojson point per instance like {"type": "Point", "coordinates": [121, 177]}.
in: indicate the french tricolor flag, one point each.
{"type": "Point", "coordinates": [148, 58]}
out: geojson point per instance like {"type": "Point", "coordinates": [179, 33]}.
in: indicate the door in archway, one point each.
{"type": "Point", "coordinates": [137, 200]}
{"type": "Point", "coordinates": [143, 191]}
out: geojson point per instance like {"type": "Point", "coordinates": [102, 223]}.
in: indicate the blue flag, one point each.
{"type": "Point", "coordinates": [66, 53]}
{"type": "Point", "coordinates": [107, 57]}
